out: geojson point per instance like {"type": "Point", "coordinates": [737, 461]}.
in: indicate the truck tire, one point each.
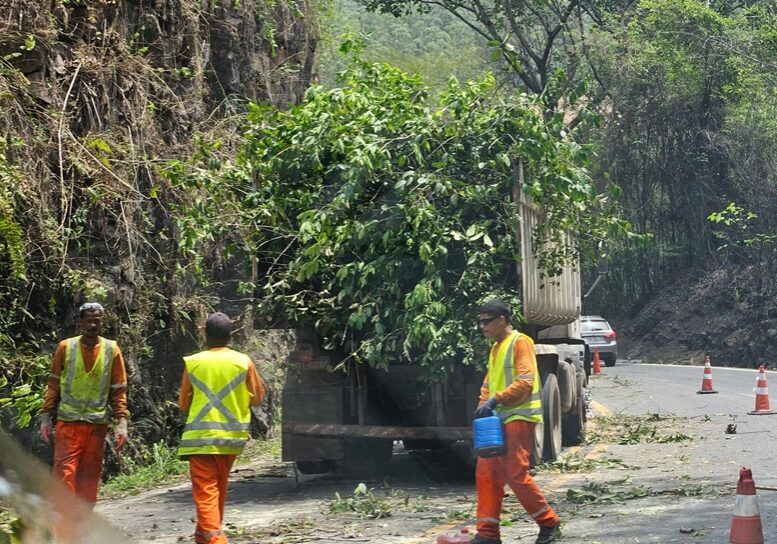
{"type": "Point", "coordinates": [573, 424]}
{"type": "Point", "coordinates": [537, 444]}
{"type": "Point", "coordinates": [551, 414]}
{"type": "Point", "coordinates": [566, 386]}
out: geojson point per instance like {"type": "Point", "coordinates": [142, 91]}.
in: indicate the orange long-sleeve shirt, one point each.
{"type": "Point", "coordinates": [524, 362]}
{"type": "Point", "coordinates": [118, 394]}
{"type": "Point", "coordinates": [253, 383]}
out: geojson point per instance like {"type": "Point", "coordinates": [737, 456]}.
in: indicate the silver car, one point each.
{"type": "Point", "coordinates": [600, 337]}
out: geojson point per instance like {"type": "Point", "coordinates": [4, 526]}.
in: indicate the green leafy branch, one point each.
{"type": "Point", "coordinates": [738, 232]}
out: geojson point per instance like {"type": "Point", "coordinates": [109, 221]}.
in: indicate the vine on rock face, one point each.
{"type": "Point", "coordinates": [382, 219]}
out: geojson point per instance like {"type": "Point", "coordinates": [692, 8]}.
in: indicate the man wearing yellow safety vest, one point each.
{"type": "Point", "coordinates": [511, 389]}
{"type": "Point", "coordinates": [218, 387]}
{"type": "Point", "coordinates": [87, 382]}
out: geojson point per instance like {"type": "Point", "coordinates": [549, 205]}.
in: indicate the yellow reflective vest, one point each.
{"type": "Point", "coordinates": [220, 412]}
{"type": "Point", "coordinates": [501, 366]}
{"type": "Point", "coordinates": [84, 395]}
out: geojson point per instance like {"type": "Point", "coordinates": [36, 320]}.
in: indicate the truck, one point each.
{"type": "Point", "coordinates": [341, 415]}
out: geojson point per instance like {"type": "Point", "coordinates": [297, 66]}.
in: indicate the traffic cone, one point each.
{"type": "Point", "coordinates": [706, 381]}
{"type": "Point", "coordinates": [761, 395]}
{"type": "Point", "coordinates": [597, 363]}
{"type": "Point", "coordinates": [746, 523]}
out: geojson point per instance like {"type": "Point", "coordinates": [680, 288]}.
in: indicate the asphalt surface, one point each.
{"type": "Point", "coordinates": [675, 482]}
{"type": "Point", "coordinates": [709, 461]}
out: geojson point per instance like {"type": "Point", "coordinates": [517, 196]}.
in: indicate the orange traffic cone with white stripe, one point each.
{"type": "Point", "coordinates": [706, 381]}
{"type": "Point", "coordinates": [597, 363]}
{"type": "Point", "coordinates": [762, 406]}
{"type": "Point", "coordinates": [746, 523]}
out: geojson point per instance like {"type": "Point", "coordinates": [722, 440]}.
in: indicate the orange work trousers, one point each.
{"type": "Point", "coordinates": [78, 457]}
{"type": "Point", "coordinates": [512, 469]}
{"type": "Point", "coordinates": [210, 474]}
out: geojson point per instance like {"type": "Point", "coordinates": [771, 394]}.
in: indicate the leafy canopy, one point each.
{"type": "Point", "coordinates": [386, 219]}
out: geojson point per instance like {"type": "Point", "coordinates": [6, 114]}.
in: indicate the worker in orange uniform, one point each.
{"type": "Point", "coordinates": [511, 389]}
{"type": "Point", "coordinates": [218, 388]}
{"type": "Point", "coordinates": [87, 383]}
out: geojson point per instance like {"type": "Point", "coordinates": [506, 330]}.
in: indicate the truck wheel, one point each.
{"type": "Point", "coordinates": [566, 386]}
{"type": "Point", "coordinates": [573, 424]}
{"type": "Point", "coordinates": [537, 444]}
{"type": "Point", "coordinates": [551, 414]}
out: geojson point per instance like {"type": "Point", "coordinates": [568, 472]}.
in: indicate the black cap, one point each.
{"type": "Point", "coordinates": [218, 326]}
{"type": "Point", "coordinates": [496, 308]}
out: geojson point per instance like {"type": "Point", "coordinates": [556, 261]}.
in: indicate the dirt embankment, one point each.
{"type": "Point", "coordinates": [730, 314]}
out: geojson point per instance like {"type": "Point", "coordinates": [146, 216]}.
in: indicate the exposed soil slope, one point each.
{"type": "Point", "coordinates": [730, 314]}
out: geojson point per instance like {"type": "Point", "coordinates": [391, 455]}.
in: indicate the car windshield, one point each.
{"type": "Point", "coordinates": [591, 326]}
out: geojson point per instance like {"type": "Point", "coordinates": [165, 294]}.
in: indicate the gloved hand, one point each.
{"type": "Point", "coordinates": [120, 433]}
{"type": "Point", "coordinates": [486, 408]}
{"type": "Point", "coordinates": [45, 427]}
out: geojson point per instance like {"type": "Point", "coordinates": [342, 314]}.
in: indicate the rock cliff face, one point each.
{"type": "Point", "coordinates": [97, 97]}
{"type": "Point", "coordinates": [201, 51]}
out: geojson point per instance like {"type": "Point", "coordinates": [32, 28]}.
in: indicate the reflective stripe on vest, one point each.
{"type": "Point", "coordinates": [501, 362]}
{"type": "Point", "coordinates": [220, 414]}
{"type": "Point", "coordinates": [84, 395]}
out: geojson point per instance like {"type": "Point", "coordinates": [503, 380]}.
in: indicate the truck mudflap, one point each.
{"type": "Point", "coordinates": [376, 431]}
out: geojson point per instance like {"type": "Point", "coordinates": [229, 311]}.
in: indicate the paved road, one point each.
{"type": "Point", "coordinates": [669, 389]}
{"type": "Point", "coordinates": [711, 460]}
{"type": "Point", "coordinates": [688, 484]}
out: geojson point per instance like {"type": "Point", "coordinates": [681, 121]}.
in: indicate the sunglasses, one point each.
{"type": "Point", "coordinates": [486, 321]}
{"type": "Point", "coordinates": [89, 306]}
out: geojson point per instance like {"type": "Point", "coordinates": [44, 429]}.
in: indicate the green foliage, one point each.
{"type": "Point", "coordinates": [691, 128]}
{"type": "Point", "coordinates": [12, 250]}
{"type": "Point", "coordinates": [434, 45]}
{"type": "Point", "coordinates": [363, 502]}
{"type": "Point", "coordinates": [27, 371]}
{"type": "Point", "coordinates": [629, 430]}
{"type": "Point", "coordinates": [573, 462]}
{"type": "Point", "coordinates": [599, 493]}
{"type": "Point", "coordinates": [159, 463]}
{"type": "Point", "coordinates": [541, 46]}
{"type": "Point", "coordinates": [383, 219]}
{"type": "Point", "coordinates": [29, 384]}
{"type": "Point", "coordinates": [735, 226]}
{"type": "Point", "coordinates": [11, 527]}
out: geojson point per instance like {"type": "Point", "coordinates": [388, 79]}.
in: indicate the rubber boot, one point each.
{"type": "Point", "coordinates": [547, 535]}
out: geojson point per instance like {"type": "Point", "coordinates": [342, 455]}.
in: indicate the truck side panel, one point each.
{"type": "Point", "coordinates": [546, 301]}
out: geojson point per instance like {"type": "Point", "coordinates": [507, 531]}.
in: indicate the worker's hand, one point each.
{"type": "Point", "coordinates": [45, 427]}
{"type": "Point", "coordinates": [486, 408]}
{"type": "Point", "coordinates": [120, 433]}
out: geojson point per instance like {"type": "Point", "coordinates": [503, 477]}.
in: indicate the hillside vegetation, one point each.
{"type": "Point", "coordinates": [147, 160]}
{"type": "Point", "coordinates": [435, 46]}
{"type": "Point", "coordinates": [96, 98]}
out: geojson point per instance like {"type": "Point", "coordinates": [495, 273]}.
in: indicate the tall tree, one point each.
{"type": "Point", "coordinates": [689, 127]}
{"type": "Point", "coordinates": [537, 39]}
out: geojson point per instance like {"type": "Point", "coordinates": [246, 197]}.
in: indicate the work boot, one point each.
{"type": "Point", "coordinates": [483, 540]}
{"type": "Point", "coordinates": [547, 535]}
